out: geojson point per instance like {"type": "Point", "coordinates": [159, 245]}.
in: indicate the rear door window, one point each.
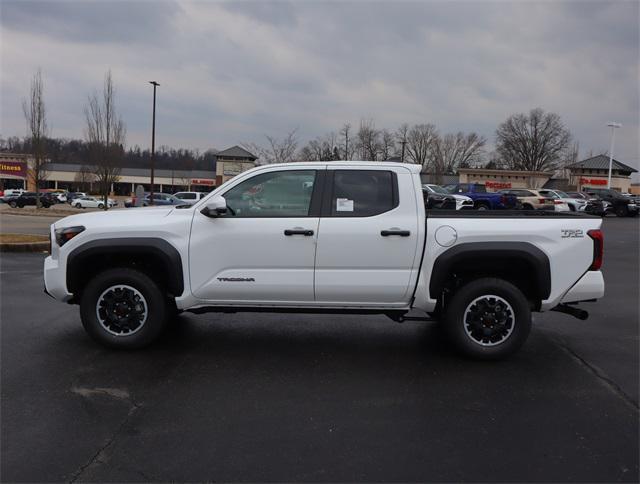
{"type": "Point", "coordinates": [363, 193]}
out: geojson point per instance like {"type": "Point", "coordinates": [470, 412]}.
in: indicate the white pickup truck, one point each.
{"type": "Point", "coordinates": [336, 237]}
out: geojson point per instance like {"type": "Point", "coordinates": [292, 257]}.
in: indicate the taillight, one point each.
{"type": "Point", "coordinates": [557, 202]}
{"type": "Point", "coordinates": [542, 200]}
{"type": "Point", "coordinates": [598, 249]}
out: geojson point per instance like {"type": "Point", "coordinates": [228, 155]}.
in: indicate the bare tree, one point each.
{"type": "Point", "coordinates": [455, 150]}
{"type": "Point", "coordinates": [35, 114]}
{"type": "Point", "coordinates": [387, 144]}
{"type": "Point", "coordinates": [401, 136]}
{"type": "Point", "coordinates": [282, 151]}
{"type": "Point", "coordinates": [85, 178]}
{"type": "Point", "coordinates": [420, 140]}
{"type": "Point", "coordinates": [534, 142]}
{"type": "Point", "coordinates": [105, 133]}
{"type": "Point", "coordinates": [349, 148]}
{"type": "Point", "coordinates": [368, 140]}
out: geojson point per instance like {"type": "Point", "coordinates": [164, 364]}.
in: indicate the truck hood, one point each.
{"type": "Point", "coordinates": [116, 218]}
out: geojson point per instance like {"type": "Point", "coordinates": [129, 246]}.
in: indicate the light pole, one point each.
{"type": "Point", "coordinates": [613, 127]}
{"type": "Point", "coordinates": [153, 140]}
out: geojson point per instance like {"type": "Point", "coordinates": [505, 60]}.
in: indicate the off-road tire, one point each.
{"type": "Point", "coordinates": [457, 329]}
{"type": "Point", "coordinates": [154, 297]}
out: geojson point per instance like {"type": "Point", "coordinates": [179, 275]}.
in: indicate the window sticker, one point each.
{"type": "Point", "coordinates": [344, 205]}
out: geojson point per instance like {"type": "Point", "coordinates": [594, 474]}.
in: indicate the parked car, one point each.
{"type": "Point", "coordinates": [593, 206]}
{"type": "Point", "coordinates": [11, 192]}
{"type": "Point", "coordinates": [483, 200]}
{"type": "Point", "coordinates": [361, 244]}
{"type": "Point", "coordinates": [530, 199]}
{"type": "Point", "coordinates": [91, 202]}
{"type": "Point", "coordinates": [621, 205]}
{"type": "Point", "coordinates": [189, 198]}
{"type": "Point", "coordinates": [438, 201]}
{"type": "Point", "coordinates": [60, 196]}
{"type": "Point", "coordinates": [461, 201]}
{"type": "Point", "coordinates": [159, 199]}
{"type": "Point", "coordinates": [29, 198]}
{"type": "Point", "coordinates": [574, 204]}
{"type": "Point", "coordinates": [73, 195]}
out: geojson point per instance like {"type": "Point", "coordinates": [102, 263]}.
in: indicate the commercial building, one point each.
{"type": "Point", "coordinates": [594, 172]}
{"type": "Point", "coordinates": [16, 172]}
{"type": "Point", "coordinates": [501, 179]}
{"type": "Point", "coordinates": [232, 162]}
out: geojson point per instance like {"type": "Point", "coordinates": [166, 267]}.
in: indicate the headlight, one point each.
{"type": "Point", "coordinates": [64, 235]}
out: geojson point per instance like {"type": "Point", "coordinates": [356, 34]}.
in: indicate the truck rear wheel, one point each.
{"type": "Point", "coordinates": [488, 319]}
{"type": "Point", "coordinates": [123, 308]}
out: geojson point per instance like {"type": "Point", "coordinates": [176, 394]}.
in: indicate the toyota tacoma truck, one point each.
{"type": "Point", "coordinates": [335, 237]}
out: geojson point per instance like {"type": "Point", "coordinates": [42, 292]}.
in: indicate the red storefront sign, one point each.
{"type": "Point", "coordinates": [592, 181]}
{"type": "Point", "coordinates": [497, 185]}
{"type": "Point", "coordinates": [13, 168]}
{"type": "Point", "coordinates": [200, 181]}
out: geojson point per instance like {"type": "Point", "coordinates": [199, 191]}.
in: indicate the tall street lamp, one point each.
{"type": "Point", "coordinates": [613, 127]}
{"type": "Point", "coordinates": [153, 140]}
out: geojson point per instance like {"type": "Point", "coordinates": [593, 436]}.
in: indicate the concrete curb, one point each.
{"type": "Point", "coordinates": [25, 247]}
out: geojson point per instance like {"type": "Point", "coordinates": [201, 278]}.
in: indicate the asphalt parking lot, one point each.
{"type": "Point", "coordinates": [265, 397]}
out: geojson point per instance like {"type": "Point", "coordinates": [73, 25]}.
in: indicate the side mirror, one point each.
{"type": "Point", "coordinates": [215, 207]}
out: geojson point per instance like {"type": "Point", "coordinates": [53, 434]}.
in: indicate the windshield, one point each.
{"type": "Point", "coordinates": [562, 194]}
{"type": "Point", "coordinates": [438, 189]}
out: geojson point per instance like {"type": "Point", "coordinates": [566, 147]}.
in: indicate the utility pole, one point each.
{"type": "Point", "coordinates": [153, 140]}
{"type": "Point", "coordinates": [613, 127]}
{"type": "Point", "coordinates": [403, 142]}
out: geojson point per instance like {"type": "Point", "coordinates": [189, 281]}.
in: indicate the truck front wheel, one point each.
{"type": "Point", "coordinates": [488, 319]}
{"type": "Point", "coordinates": [123, 308]}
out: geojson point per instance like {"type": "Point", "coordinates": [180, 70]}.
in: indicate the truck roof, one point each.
{"type": "Point", "coordinates": [410, 166]}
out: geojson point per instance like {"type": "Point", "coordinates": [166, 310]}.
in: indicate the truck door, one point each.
{"type": "Point", "coordinates": [263, 249]}
{"type": "Point", "coordinates": [368, 237]}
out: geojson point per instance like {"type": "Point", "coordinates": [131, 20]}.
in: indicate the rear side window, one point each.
{"type": "Point", "coordinates": [363, 193]}
{"type": "Point", "coordinates": [480, 189]}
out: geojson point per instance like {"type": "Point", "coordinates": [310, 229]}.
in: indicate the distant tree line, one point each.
{"type": "Point", "coordinates": [534, 141]}
{"type": "Point", "coordinates": [76, 151]}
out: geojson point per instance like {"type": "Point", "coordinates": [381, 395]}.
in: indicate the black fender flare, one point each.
{"type": "Point", "coordinates": [526, 251]}
{"type": "Point", "coordinates": [160, 248]}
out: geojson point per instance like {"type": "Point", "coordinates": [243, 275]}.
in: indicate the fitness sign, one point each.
{"type": "Point", "coordinates": [16, 169]}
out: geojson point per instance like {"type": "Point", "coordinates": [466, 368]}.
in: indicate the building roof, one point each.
{"type": "Point", "coordinates": [236, 152]}
{"type": "Point", "coordinates": [74, 168]}
{"type": "Point", "coordinates": [601, 162]}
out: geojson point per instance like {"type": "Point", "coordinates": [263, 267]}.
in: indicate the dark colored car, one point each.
{"type": "Point", "coordinates": [438, 201]}
{"type": "Point", "coordinates": [594, 205]}
{"type": "Point", "coordinates": [482, 199]}
{"type": "Point", "coordinates": [29, 198]}
{"type": "Point", "coordinates": [622, 206]}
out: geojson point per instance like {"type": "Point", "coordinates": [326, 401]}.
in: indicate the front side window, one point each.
{"type": "Point", "coordinates": [274, 194]}
{"type": "Point", "coordinates": [363, 193]}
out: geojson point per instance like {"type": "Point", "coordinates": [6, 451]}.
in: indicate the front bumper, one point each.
{"type": "Point", "coordinates": [55, 283]}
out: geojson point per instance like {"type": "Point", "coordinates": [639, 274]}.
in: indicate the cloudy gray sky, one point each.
{"type": "Point", "coordinates": [233, 72]}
